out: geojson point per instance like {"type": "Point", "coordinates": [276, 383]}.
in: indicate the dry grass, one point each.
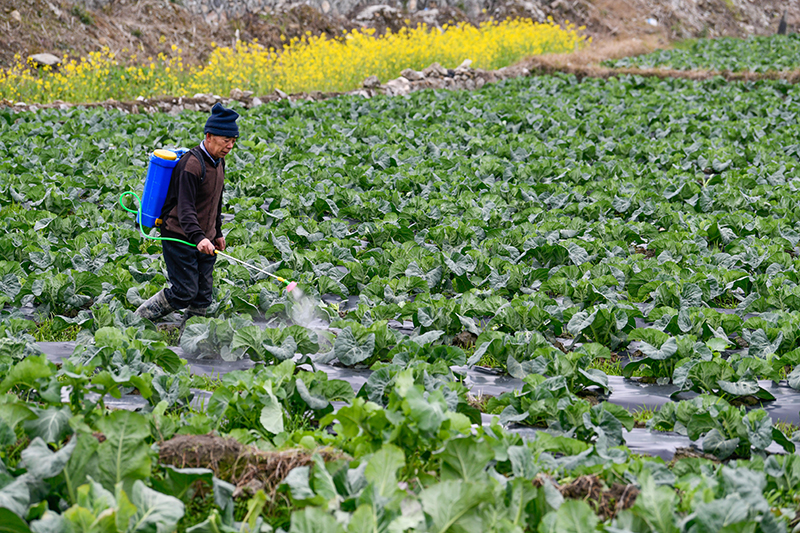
{"type": "Point", "coordinates": [605, 501]}
{"type": "Point", "coordinates": [246, 467]}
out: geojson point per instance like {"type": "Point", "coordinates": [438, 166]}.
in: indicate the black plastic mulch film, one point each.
{"type": "Point", "coordinates": [624, 392]}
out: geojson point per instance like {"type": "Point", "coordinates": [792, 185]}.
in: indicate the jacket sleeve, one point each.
{"type": "Point", "coordinates": [187, 207]}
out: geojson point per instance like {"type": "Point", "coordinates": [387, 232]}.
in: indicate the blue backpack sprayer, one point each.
{"type": "Point", "coordinates": [159, 174]}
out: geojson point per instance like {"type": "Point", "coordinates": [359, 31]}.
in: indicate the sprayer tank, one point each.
{"type": "Point", "coordinates": [159, 173]}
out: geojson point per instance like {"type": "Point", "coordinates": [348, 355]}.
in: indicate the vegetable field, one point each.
{"type": "Point", "coordinates": [507, 292]}
{"type": "Point", "coordinates": [754, 54]}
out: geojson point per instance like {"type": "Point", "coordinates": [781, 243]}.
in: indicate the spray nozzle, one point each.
{"type": "Point", "coordinates": [289, 285]}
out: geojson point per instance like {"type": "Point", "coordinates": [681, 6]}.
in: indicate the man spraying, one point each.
{"type": "Point", "coordinates": [193, 212]}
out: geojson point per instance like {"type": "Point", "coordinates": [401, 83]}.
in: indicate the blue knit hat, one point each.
{"type": "Point", "coordinates": [222, 122]}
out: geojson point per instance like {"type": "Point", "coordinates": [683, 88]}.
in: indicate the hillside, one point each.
{"type": "Point", "coordinates": [149, 26]}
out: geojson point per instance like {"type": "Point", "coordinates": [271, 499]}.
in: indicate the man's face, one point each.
{"type": "Point", "coordinates": [219, 146]}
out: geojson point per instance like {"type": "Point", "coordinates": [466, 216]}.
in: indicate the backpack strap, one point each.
{"type": "Point", "coordinates": [198, 153]}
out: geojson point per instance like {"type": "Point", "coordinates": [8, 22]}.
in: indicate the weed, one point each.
{"type": "Point", "coordinates": [45, 332]}
{"type": "Point", "coordinates": [171, 335]}
{"type": "Point", "coordinates": [642, 415]}
{"type": "Point", "coordinates": [490, 361]}
{"type": "Point", "coordinates": [298, 422]}
{"type": "Point", "coordinates": [82, 15]}
{"type": "Point", "coordinates": [726, 301]}
{"type": "Point", "coordinates": [787, 428]}
{"type": "Point", "coordinates": [13, 453]}
{"type": "Point", "coordinates": [684, 44]}
{"type": "Point", "coordinates": [209, 383]}
{"type": "Point", "coordinates": [478, 402]}
{"type": "Point", "coordinates": [197, 510]}
{"type": "Point", "coordinates": [612, 366]}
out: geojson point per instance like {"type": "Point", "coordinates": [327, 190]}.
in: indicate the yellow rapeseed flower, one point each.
{"type": "Point", "coordinates": [306, 63]}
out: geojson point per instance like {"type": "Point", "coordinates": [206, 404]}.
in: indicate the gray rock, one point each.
{"type": "Point", "coordinates": [411, 75]}
{"type": "Point", "coordinates": [209, 98]}
{"type": "Point", "coordinates": [371, 11]}
{"type": "Point", "coordinates": [282, 95]}
{"type": "Point", "coordinates": [371, 82]}
{"type": "Point", "coordinates": [429, 16]}
{"type": "Point", "coordinates": [238, 94]}
{"type": "Point", "coordinates": [397, 87]}
{"type": "Point", "coordinates": [54, 9]}
{"type": "Point", "coordinates": [435, 70]}
{"type": "Point", "coordinates": [256, 102]}
{"type": "Point", "coordinates": [465, 65]}
{"type": "Point", "coordinates": [45, 59]}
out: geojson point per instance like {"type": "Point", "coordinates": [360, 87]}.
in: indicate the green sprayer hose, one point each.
{"type": "Point", "coordinates": [138, 212]}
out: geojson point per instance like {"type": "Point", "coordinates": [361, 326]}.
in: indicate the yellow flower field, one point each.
{"type": "Point", "coordinates": [307, 64]}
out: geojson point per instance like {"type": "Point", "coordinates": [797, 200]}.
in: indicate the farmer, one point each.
{"type": "Point", "coordinates": [192, 212]}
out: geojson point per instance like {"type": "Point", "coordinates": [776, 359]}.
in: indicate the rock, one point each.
{"type": "Point", "coordinates": [411, 74]}
{"type": "Point", "coordinates": [238, 94]}
{"type": "Point", "coordinates": [434, 83]}
{"type": "Point", "coordinates": [256, 102]}
{"type": "Point", "coordinates": [282, 95]}
{"type": "Point", "coordinates": [209, 98]}
{"type": "Point", "coordinates": [397, 87]}
{"type": "Point", "coordinates": [54, 9]}
{"type": "Point", "coordinates": [371, 83]}
{"type": "Point", "coordinates": [464, 64]}
{"type": "Point", "coordinates": [371, 11]}
{"type": "Point", "coordinates": [48, 60]}
{"type": "Point", "coordinates": [16, 16]}
{"type": "Point", "coordinates": [435, 70]}
{"type": "Point", "coordinates": [429, 16]}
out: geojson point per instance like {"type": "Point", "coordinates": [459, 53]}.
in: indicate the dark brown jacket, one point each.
{"type": "Point", "coordinates": [193, 208]}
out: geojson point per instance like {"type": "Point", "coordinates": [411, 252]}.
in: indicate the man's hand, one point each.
{"type": "Point", "coordinates": [220, 242]}
{"type": "Point", "coordinates": [205, 247]}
